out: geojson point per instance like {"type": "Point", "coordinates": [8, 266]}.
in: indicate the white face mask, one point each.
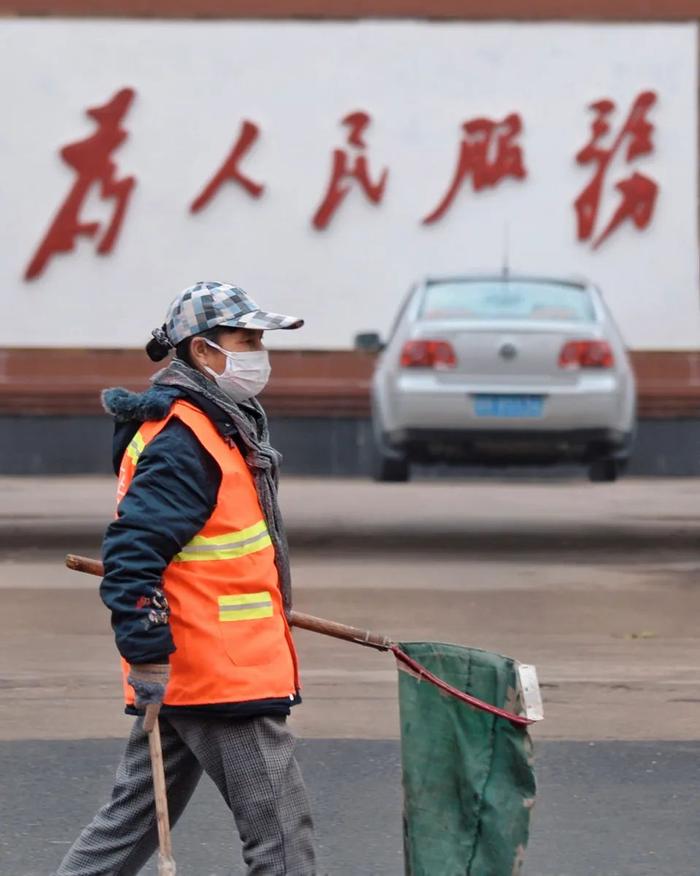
{"type": "Point", "coordinates": [245, 374]}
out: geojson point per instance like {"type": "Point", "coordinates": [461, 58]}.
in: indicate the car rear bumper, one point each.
{"type": "Point", "coordinates": [592, 402]}
{"type": "Point", "coordinates": [509, 446]}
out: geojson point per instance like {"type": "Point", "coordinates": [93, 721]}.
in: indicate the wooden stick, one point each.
{"type": "Point", "coordinates": [85, 564]}
{"type": "Point", "coordinates": [296, 618]}
{"type": "Point", "coordinates": [339, 631]}
{"type": "Point", "coordinates": [166, 863]}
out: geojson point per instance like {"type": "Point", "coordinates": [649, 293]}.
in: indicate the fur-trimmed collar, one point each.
{"type": "Point", "coordinates": [153, 404]}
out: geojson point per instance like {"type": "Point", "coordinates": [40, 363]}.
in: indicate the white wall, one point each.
{"type": "Point", "coordinates": [195, 82]}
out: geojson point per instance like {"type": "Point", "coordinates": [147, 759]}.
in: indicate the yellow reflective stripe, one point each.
{"type": "Point", "coordinates": [260, 544]}
{"type": "Point", "coordinates": [228, 537]}
{"type": "Point", "coordinates": [227, 546]}
{"type": "Point", "coordinates": [135, 447]}
{"type": "Point", "coordinates": [246, 614]}
{"type": "Point", "coordinates": [245, 606]}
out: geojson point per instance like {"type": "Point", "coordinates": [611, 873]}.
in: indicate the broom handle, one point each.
{"type": "Point", "coordinates": [296, 618]}
{"type": "Point", "coordinates": [339, 631]}
{"type": "Point", "coordinates": [150, 725]}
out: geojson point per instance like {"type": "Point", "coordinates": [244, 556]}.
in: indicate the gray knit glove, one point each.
{"type": "Point", "coordinates": [149, 681]}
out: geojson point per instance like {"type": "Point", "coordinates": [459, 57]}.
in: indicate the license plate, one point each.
{"type": "Point", "coordinates": [508, 406]}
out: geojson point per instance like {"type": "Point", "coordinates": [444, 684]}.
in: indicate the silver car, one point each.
{"type": "Point", "coordinates": [502, 370]}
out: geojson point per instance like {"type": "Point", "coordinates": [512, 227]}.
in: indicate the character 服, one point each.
{"type": "Point", "coordinates": [489, 153]}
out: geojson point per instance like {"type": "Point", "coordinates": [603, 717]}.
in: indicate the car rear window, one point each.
{"type": "Point", "coordinates": [507, 299]}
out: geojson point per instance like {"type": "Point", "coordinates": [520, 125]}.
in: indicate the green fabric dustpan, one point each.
{"type": "Point", "coordinates": [468, 777]}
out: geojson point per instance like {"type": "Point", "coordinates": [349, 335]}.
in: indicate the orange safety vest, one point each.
{"type": "Point", "coordinates": [226, 615]}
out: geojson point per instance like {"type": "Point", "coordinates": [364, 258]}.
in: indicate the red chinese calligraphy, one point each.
{"type": "Point", "coordinates": [345, 170]}
{"type": "Point", "coordinates": [638, 191]}
{"type": "Point", "coordinates": [488, 154]}
{"type": "Point", "coordinates": [90, 159]}
{"type": "Point", "coordinates": [229, 170]}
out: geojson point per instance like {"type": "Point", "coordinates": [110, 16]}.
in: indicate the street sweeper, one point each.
{"type": "Point", "coordinates": [196, 576]}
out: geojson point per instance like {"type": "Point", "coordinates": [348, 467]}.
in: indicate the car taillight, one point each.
{"type": "Point", "coordinates": [428, 354]}
{"type": "Point", "coordinates": [586, 354]}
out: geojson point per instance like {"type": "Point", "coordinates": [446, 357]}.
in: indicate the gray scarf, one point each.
{"type": "Point", "coordinates": [262, 459]}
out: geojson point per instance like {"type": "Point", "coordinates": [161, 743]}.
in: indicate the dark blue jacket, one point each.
{"type": "Point", "coordinates": [170, 498]}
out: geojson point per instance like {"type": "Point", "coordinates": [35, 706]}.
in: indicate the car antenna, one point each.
{"type": "Point", "coordinates": [506, 266]}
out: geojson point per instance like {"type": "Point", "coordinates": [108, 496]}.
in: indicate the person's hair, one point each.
{"type": "Point", "coordinates": [157, 350]}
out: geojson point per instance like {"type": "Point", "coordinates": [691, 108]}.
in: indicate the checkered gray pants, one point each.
{"type": "Point", "coordinates": [252, 763]}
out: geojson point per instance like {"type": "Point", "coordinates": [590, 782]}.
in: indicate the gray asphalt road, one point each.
{"type": "Point", "coordinates": [604, 809]}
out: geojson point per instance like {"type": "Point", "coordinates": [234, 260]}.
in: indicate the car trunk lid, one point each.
{"type": "Point", "coordinates": [513, 352]}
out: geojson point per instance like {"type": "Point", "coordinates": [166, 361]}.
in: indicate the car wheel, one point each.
{"type": "Point", "coordinates": [605, 471]}
{"type": "Point", "coordinates": [391, 469]}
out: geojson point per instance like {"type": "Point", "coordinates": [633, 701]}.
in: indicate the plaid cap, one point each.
{"type": "Point", "coordinates": [207, 305]}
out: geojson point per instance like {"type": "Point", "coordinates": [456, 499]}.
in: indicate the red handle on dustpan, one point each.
{"type": "Point", "coordinates": [422, 672]}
